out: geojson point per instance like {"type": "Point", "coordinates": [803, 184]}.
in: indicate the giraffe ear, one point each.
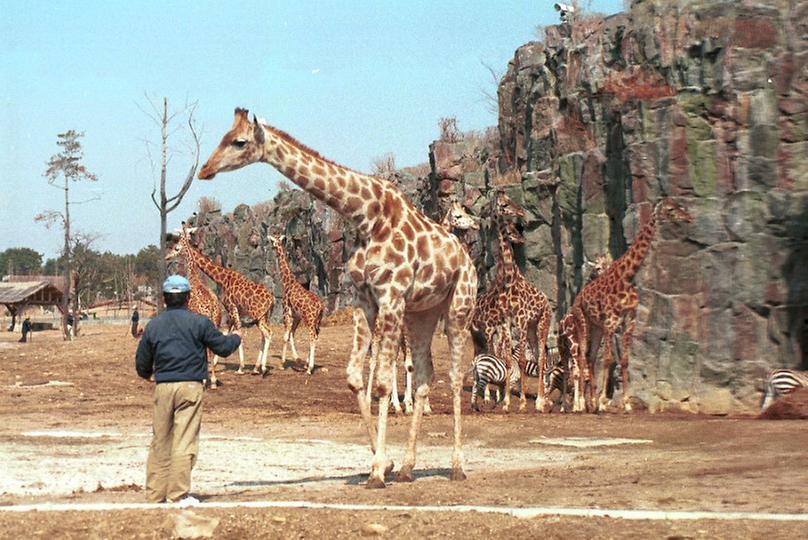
{"type": "Point", "coordinates": [258, 131]}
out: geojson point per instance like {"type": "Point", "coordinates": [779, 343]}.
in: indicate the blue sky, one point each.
{"type": "Point", "coordinates": [353, 79]}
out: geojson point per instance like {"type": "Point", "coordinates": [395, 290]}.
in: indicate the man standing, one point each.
{"type": "Point", "coordinates": [173, 348]}
{"type": "Point", "coordinates": [135, 321]}
{"type": "Point", "coordinates": [26, 329]}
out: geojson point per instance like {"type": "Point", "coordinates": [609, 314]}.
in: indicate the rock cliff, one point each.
{"type": "Point", "coordinates": [705, 101]}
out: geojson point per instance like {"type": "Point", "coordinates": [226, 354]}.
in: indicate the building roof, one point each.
{"type": "Point", "coordinates": [34, 292]}
{"type": "Point", "coordinates": [56, 281]}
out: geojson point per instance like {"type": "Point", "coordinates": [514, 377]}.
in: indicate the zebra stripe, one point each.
{"type": "Point", "coordinates": [780, 382]}
{"type": "Point", "coordinates": [488, 369]}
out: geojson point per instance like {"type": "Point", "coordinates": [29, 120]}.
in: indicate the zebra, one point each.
{"type": "Point", "coordinates": [780, 382]}
{"type": "Point", "coordinates": [490, 369]}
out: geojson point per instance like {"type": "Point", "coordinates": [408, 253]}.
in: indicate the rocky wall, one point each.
{"type": "Point", "coordinates": [706, 101]}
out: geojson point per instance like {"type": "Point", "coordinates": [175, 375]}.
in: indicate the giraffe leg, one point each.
{"type": "Point", "coordinates": [408, 390]}
{"type": "Point", "coordinates": [374, 346]}
{"type": "Point", "coordinates": [522, 369]}
{"type": "Point", "coordinates": [295, 324]}
{"type": "Point", "coordinates": [394, 401]}
{"type": "Point", "coordinates": [420, 328]}
{"type": "Point", "coordinates": [287, 333]}
{"type": "Point", "coordinates": [507, 356]}
{"type": "Point", "coordinates": [537, 336]}
{"type": "Point", "coordinates": [364, 317]}
{"type": "Point", "coordinates": [266, 337]}
{"type": "Point", "coordinates": [608, 359]}
{"type": "Point", "coordinates": [578, 339]}
{"type": "Point", "coordinates": [628, 335]}
{"type": "Point", "coordinates": [313, 335]}
{"type": "Point", "coordinates": [235, 323]}
{"type": "Point", "coordinates": [212, 370]}
{"type": "Point", "coordinates": [388, 329]}
{"type": "Point", "coordinates": [459, 318]}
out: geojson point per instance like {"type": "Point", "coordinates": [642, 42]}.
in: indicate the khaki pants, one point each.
{"type": "Point", "coordinates": [175, 440]}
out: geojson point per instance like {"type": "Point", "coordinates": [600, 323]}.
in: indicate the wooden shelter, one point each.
{"type": "Point", "coordinates": [19, 292]}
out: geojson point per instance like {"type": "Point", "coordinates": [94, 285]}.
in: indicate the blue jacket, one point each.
{"type": "Point", "coordinates": [173, 346]}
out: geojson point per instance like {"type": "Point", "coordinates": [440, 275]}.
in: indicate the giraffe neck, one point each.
{"type": "Point", "coordinates": [366, 201]}
{"type": "Point", "coordinates": [193, 274]}
{"type": "Point", "coordinates": [506, 271]}
{"type": "Point", "coordinates": [629, 263]}
{"type": "Point", "coordinates": [215, 272]}
{"type": "Point", "coordinates": [287, 277]}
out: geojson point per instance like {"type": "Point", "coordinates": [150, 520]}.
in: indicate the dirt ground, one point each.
{"type": "Point", "coordinates": [76, 425]}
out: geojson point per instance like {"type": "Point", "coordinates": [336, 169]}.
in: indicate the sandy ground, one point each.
{"type": "Point", "coordinates": [76, 423]}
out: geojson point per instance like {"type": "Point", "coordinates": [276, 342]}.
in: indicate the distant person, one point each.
{"type": "Point", "coordinates": [26, 329]}
{"type": "Point", "coordinates": [70, 323]}
{"type": "Point", "coordinates": [173, 348]}
{"type": "Point", "coordinates": [135, 322]}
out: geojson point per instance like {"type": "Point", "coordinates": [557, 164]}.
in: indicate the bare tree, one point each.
{"type": "Point", "coordinates": [170, 123]}
{"type": "Point", "coordinates": [86, 272]}
{"type": "Point", "coordinates": [384, 165]}
{"type": "Point", "coordinates": [490, 97]}
{"type": "Point", "coordinates": [66, 164]}
{"type": "Point", "coordinates": [448, 130]}
{"type": "Point", "coordinates": [207, 205]}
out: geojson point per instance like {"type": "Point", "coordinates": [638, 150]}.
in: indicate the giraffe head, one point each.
{"type": "Point", "coordinates": [277, 241]}
{"type": "Point", "coordinates": [505, 207]}
{"type": "Point", "coordinates": [179, 239]}
{"type": "Point", "coordinates": [601, 263]}
{"type": "Point", "coordinates": [512, 233]}
{"type": "Point", "coordinates": [458, 218]}
{"type": "Point", "coordinates": [241, 146]}
{"type": "Point", "coordinates": [669, 210]}
{"type": "Point", "coordinates": [174, 247]}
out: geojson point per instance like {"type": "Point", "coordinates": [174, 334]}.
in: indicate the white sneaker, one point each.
{"type": "Point", "coordinates": [185, 502]}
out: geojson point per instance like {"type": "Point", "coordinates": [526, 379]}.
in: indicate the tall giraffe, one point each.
{"type": "Point", "coordinates": [568, 348]}
{"type": "Point", "coordinates": [456, 217]}
{"type": "Point", "coordinates": [408, 271]}
{"type": "Point", "coordinates": [492, 312]}
{"type": "Point", "coordinates": [532, 317]}
{"type": "Point", "coordinates": [299, 304]}
{"type": "Point", "coordinates": [239, 296]}
{"type": "Point", "coordinates": [202, 300]}
{"type": "Point", "coordinates": [608, 304]}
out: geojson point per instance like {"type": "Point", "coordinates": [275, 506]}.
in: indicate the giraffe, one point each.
{"type": "Point", "coordinates": [607, 305]}
{"type": "Point", "coordinates": [408, 271]}
{"type": "Point", "coordinates": [568, 348]}
{"type": "Point", "coordinates": [202, 300]}
{"type": "Point", "coordinates": [532, 317]}
{"type": "Point", "coordinates": [299, 304]}
{"type": "Point", "coordinates": [456, 217]}
{"type": "Point", "coordinates": [240, 296]}
{"type": "Point", "coordinates": [492, 312]}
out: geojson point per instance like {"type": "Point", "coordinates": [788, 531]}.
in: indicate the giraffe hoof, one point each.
{"type": "Point", "coordinates": [375, 483]}
{"type": "Point", "coordinates": [389, 468]}
{"type": "Point", "coordinates": [458, 475]}
{"type": "Point", "coordinates": [405, 475]}
{"type": "Point", "coordinates": [264, 373]}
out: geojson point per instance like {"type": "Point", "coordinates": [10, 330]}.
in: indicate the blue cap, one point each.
{"type": "Point", "coordinates": [176, 283]}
